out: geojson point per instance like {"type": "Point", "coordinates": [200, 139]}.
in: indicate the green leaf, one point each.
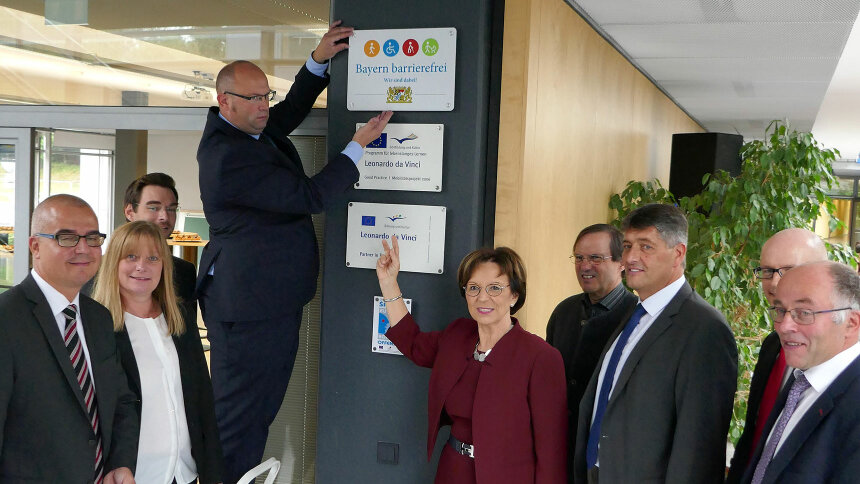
{"type": "Point", "coordinates": [716, 283]}
{"type": "Point", "coordinates": [697, 271]}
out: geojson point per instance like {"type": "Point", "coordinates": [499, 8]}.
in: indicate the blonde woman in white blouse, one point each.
{"type": "Point", "coordinates": [163, 358]}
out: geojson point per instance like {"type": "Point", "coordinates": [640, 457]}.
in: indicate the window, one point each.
{"type": "Point", "coordinates": [149, 52]}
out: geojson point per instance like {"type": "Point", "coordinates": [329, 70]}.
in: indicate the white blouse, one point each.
{"type": "Point", "coordinates": [164, 451]}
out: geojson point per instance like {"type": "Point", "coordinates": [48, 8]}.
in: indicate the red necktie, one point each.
{"type": "Point", "coordinates": [768, 399]}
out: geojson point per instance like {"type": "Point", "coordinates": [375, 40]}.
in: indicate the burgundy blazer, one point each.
{"type": "Point", "coordinates": [519, 426]}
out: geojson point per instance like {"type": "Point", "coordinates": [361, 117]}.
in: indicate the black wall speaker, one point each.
{"type": "Point", "coordinates": [695, 154]}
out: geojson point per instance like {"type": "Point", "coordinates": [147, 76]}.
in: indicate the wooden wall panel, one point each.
{"type": "Point", "coordinates": [578, 121]}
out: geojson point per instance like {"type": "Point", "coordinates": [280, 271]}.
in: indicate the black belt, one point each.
{"type": "Point", "coordinates": [461, 447]}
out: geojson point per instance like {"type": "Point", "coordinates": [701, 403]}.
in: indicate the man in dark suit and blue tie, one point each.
{"type": "Point", "coordinates": [261, 264]}
{"type": "Point", "coordinates": [813, 432]}
{"type": "Point", "coordinates": [66, 413]}
{"type": "Point", "coordinates": [657, 408]}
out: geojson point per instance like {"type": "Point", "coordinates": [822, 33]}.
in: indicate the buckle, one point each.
{"type": "Point", "coordinates": [467, 449]}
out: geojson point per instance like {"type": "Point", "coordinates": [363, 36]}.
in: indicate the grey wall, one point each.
{"type": "Point", "coordinates": [366, 397]}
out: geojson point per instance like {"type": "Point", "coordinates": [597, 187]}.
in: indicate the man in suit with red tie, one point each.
{"type": "Point", "coordinates": [66, 413]}
{"type": "Point", "coordinates": [785, 249]}
{"type": "Point", "coordinates": [813, 432]}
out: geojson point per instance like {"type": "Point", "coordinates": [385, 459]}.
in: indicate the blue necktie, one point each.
{"type": "Point", "coordinates": [608, 378]}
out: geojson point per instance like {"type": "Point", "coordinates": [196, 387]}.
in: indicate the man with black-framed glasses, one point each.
{"type": "Point", "coordinates": [153, 198]}
{"type": "Point", "coordinates": [261, 264]}
{"type": "Point", "coordinates": [785, 249]}
{"type": "Point", "coordinates": [580, 326]}
{"type": "Point", "coordinates": [66, 412]}
{"type": "Point", "coordinates": [813, 432]}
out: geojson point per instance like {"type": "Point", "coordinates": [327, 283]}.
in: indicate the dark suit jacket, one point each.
{"type": "Point", "coordinates": [824, 447]}
{"type": "Point", "coordinates": [519, 427]}
{"type": "Point", "coordinates": [668, 414]}
{"type": "Point", "coordinates": [184, 280]}
{"type": "Point", "coordinates": [581, 339]}
{"type": "Point", "coordinates": [767, 356]}
{"type": "Point", "coordinates": [196, 391]}
{"type": "Point", "coordinates": [258, 200]}
{"type": "Point", "coordinates": [45, 433]}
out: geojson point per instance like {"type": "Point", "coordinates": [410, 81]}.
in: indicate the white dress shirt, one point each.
{"type": "Point", "coordinates": [653, 305]}
{"type": "Point", "coordinates": [820, 377]}
{"type": "Point", "coordinates": [58, 302]}
{"type": "Point", "coordinates": [164, 452]}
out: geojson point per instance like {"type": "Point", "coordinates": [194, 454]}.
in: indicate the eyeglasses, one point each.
{"type": "Point", "coordinates": [157, 208]}
{"type": "Point", "coordinates": [68, 239]}
{"type": "Point", "coordinates": [492, 289]}
{"type": "Point", "coordinates": [258, 98]}
{"type": "Point", "coordinates": [799, 316]}
{"type": "Point", "coordinates": [593, 258]}
{"type": "Point", "coordinates": [767, 272]}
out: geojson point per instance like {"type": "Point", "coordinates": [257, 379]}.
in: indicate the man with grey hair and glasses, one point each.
{"type": "Point", "coordinates": [580, 326]}
{"type": "Point", "coordinates": [813, 432]}
{"type": "Point", "coordinates": [785, 249]}
{"type": "Point", "coordinates": [657, 408]}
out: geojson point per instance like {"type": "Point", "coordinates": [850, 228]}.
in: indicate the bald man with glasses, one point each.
{"type": "Point", "coordinates": [261, 264]}
{"type": "Point", "coordinates": [66, 413]}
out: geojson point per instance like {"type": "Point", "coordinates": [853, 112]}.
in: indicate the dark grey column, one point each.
{"type": "Point", "coordinates": [364, 397]}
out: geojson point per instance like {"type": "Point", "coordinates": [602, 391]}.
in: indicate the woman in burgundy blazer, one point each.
{"type": "Point", "coordinates": [513, 380]}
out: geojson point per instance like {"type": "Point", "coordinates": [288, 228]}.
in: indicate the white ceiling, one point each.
{"type": "Point", "coordinates": [735, 65]}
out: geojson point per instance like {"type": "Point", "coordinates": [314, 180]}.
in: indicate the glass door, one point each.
{"type": "Point", "coordinates": [15, 155]}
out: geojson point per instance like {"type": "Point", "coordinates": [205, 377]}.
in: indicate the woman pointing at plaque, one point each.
{"type": "Point", "coordinates": [500, 388]}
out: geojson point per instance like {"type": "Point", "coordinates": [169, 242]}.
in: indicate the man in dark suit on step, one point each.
{"type": "Point", "coordinates": [657, 408]}
{"type": "Point", "coordinates": [581, 325]}
{"type": "Point", "coordinates": [66, 413]}
{"type": "Point", "coordinates": [261, 264]}
{"type": "Point", "coordinates": [785, 249]}
{"type": "Point", "coordinates": [813, 432]}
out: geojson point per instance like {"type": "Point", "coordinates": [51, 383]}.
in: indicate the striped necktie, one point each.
{"type": "Point", "coordinates": [79, 364]}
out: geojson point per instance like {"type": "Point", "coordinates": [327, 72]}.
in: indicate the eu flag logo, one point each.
{"type": "Point", "coordinates": [369, 220]}
{"type": "Point", "coordinates": [381, 142]}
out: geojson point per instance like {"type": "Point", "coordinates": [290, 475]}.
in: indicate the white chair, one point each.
{"type": "Point", "coordinates": [271, 464]}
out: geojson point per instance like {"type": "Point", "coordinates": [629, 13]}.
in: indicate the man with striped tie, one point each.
{"type": "Point", "coordinates": [66, 413]}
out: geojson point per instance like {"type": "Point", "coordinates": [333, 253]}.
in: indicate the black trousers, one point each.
{"type": "Point", "coordinates": [251, 364]}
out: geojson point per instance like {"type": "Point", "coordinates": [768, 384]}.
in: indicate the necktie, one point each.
{"type": "Point", "coordinates": [79, 364]}
{"type": "Point", "coordinates": [608, 378]}
{"type": "Point", "coordinates": [797, 388]}
{"type": "Point", "coordinates": [768, 399]}
{"type": "Point", "coordinates": [266, 139]}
